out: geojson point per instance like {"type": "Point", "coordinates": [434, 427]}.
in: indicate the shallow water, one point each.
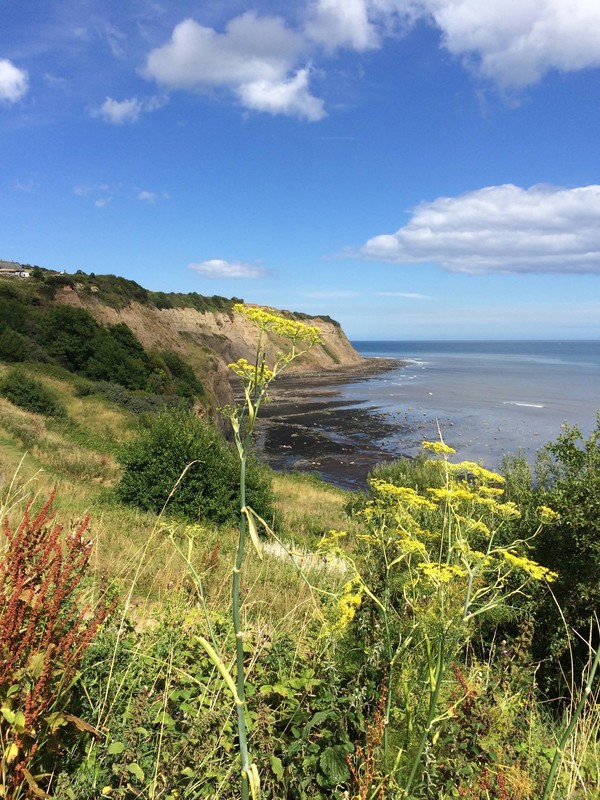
{"type": "Point", "coordinates": [489, 398]}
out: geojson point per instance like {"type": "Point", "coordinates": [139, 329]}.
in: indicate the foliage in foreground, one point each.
{"type": "Point", "coordinates": [46, 625]}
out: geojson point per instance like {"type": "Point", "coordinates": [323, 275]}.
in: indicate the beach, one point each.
{"type": "Point", "coordinates": [308, 426]}
{"type": "Point", "coordinates": [487, 399]}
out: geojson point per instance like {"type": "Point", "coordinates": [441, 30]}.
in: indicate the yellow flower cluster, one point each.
{"type": "Point", "coordinates": [477, 471]}
{"type": "Point", "coordinates": [347, 605]}
{"type": "Point", "coordinates": [438, 448]}
{"type": "Point", "coordinates": [546, 515]}
{"type": "Point", "coordinates": [454, 493]}
{"type": "Point", "coordinates": [400, 494]}
{"type": "Point", "coordinates": [268, 320]}
{"type": "Point", "coordinates": [250, 373]}
{"type": "Point", "coordinates": [532, 568]}
{"type": "Point", "coordinates": [442, 573]}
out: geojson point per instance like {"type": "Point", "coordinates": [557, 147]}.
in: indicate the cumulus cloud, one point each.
{"type": "Point", "coordinates": [500, 229]}
{"type": "Point", "coordinates": [121, 112]}
{"type": "Point", "coordinates": [513, 49]}
{"type": "Point", "coordinates": [516, 49]}
{"type": "Point", "coordinates": [255, 57]}
{"type": "Point", "coordinates": [218, 268]}
{"type": "Point", "coordinates": [291, 97]}
{"type": "Point", "coordinates": [342, 23]}
{"type": "Point", "coordinates": [14, 82]}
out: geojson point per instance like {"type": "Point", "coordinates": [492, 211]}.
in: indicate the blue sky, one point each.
{"type": "Point", "coordinates": [417, 169]}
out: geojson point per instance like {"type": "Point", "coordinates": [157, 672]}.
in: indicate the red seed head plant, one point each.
{"type": "Point", "coordinates": [45, 627]}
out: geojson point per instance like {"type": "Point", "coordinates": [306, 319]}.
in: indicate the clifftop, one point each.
{"type": "Point", "coordinates": [202, 330]}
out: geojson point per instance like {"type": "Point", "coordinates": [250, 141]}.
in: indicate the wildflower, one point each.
{"type": "Point", "coordinates": [251, 373]}
{"type": "Point", "coordinates": [532, 568]}
{"type": "Point", "coordinates": [268, 320]}
{"type": "Point", "coordinates": [442, 573]}
{"type": "Point", "coordinates": [347, 605]}
{"type": "Point", "coordinates": [453, 493]}
{"type": "Point", "coordinates": [438, 447]}
{"type": "Point", "coordinates": [477, 471]}
{"type": "Point", "coordinates": [547, 515]}
{"type": "Point", "coordinates": [401, 494]}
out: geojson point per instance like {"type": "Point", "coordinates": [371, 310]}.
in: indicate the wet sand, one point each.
{"type": "Point", "coordinates": [306, 426]}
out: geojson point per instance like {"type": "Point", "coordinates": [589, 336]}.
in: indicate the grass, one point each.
{"type": "Point", "coordinates": [160, 613]}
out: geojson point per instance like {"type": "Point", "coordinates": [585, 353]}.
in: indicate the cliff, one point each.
{"type": "Point", "coordinates": [209, 340]}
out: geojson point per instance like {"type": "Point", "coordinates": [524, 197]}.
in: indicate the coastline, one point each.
{"type": "Point", "coordinates": [307, 427]}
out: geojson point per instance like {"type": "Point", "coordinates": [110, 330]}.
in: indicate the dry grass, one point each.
{"type": "Point", "coordinates": [308, 509]}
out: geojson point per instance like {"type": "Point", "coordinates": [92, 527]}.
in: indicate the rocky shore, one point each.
{"type": "Point", "coordinates": [308, 427]}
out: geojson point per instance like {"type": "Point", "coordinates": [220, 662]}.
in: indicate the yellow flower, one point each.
{"type": "Point", "coordinates": [547, 515]}
{"type": "Point", "coordinates": [477, 471]}
{"type": "Point", "coordinates": [532, 568]}
{"type": "Point", "coordinates": [438, 447]}
{"type": "Point", "coordinates": [400, 494]}
{"type": "Point", "coordinates": [268, 320]}
{"type": "Point", "coordinates": [442, 573]}
{"type": "Point", "coordinates": [250, 372]}
{"type": "Point", "coordinates": [453, 493]}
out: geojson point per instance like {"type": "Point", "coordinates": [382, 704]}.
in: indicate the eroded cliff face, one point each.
{"type": "Point", "coordinates": [211, 340]}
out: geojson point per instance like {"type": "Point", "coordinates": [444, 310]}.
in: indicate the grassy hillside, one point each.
{"type": "Point", "coordinates": [364, 675]}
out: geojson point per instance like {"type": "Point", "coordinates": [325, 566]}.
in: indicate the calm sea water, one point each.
{"type": "Point", "coordinates": [488, 397]}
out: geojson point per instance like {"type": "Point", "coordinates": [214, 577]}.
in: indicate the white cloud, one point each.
{"type": "Point", "coordinates": [14, 82]}
{"type": "Point", "coordinates": [147, 197]}
{"type": "Point", "coordinates": [515, 47]}
{"type": "Point", "coordinates": [121, 112]}
{"type": "Point", "coordinates": [500, 229]}
{"type": "Point", "coordinates": [255, 57]}
{"type": "Point", "coordinates": [342, 23]}
{"type": "Point", "coordinates": [218, 268]}
{"type": "Point", "coordinates": [291, 97]}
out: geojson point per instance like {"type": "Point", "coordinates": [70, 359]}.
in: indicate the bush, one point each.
{"type": "Point", "coordinates": [68, 335]}
{"type": "Point", "coordinates": [567, 480]}
{"type": "Point", "coordinates": [27, 393]}
{"type": "Point", "coordinates": [155, 461]}
{"type": "Point", "coordinates": [13, 346]}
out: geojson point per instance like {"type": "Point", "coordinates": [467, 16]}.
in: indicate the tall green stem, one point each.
{"type": "Point", "coordinates": [239, 635]}
{"type": "Point", "coordinates": [439, 673]}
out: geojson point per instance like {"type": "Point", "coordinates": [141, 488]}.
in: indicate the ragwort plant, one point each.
{"type": "Point", "coordinates": [434, 564]}
{"type": "Point", "coordinates": [296, 339]}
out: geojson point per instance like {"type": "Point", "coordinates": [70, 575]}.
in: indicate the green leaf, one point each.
{"type": "Point", "coordinates": [35, 665]}
{"type": "Point", "coordinates": [115, 748]}
{"type": "Point", "coordinates": [136, 771]}
{"type": "Point", "coordinates": [318, 718]}
{"type": "Point", "coordinates": [277, 766]}
{"type": "Point", "coordinates": [334, 766]}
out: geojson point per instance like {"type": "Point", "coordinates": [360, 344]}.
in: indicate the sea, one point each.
{"type": "Point", "coordinates": [485, 398]}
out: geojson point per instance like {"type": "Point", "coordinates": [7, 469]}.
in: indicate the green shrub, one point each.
{"type": "Point", "coordinates": [567, 480]}
{"type": "Point", "coordinates": [68, 335]}
{"type": "Point", "coordinates": [13, 346]}
{"type": "Point", "coordinates": [155, 461]}
{"type": "Point", "coordinates": [27, 393]}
